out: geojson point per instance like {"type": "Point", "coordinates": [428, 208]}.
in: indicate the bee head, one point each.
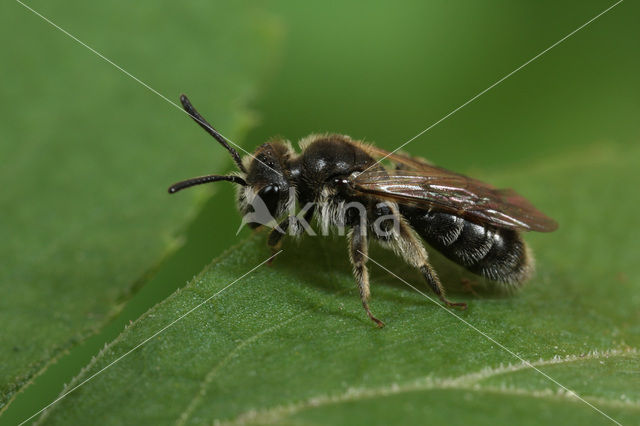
{"type": "Point", "coordinates": [264, 188]}
{"type": "Point", "coordinates": [267, 189]}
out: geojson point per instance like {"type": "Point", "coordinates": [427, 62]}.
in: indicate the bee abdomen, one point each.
{"type": "Point", "coordinates": [495, 253]}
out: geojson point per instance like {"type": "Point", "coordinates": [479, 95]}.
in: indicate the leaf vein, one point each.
{"type": "Point", "coordinates": [465, 382]}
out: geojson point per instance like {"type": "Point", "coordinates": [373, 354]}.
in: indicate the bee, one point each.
{"type": "Point", "coordinates": [343, 185]}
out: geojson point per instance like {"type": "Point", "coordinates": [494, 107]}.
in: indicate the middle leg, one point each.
{"type": "Point", "coordinates": [358, 246]}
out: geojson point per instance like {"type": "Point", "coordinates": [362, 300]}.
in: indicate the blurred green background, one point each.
{"type": "Point", "coordinates": [377, 71]}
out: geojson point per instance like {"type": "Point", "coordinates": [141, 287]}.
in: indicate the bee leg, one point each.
{"type": "Point", "coordinates": [468, 285]}
{"type": "Point", "coordinates": [274, 240]}
{"type": "Point", "coordinates": [431, 277]}
{"type": "Point", "coordinates": [409, 246]}
{"type": "Point", "coordinates": [358, 247]}
{"type": "Point", "coordinates": [275, 237]}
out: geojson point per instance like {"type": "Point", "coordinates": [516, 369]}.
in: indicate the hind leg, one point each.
{"type": "Point", "coordinates": [434, 282]}
{"type": "Point", "coordinates": [407, 245]}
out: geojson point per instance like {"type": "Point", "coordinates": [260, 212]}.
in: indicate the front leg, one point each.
{"type": "Point", "coordinates": [275, 236]}
{"type": "Point", "coordinates": [358, 247]}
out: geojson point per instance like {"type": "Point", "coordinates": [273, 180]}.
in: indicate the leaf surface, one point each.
{"type": "Point", "coordinates": [88, 154]}
{"type": "Point", "coordinates": [290, 343]}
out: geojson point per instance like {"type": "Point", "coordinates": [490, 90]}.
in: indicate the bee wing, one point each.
{"type": "Point", "coordinates": [401, 160]}
{"type": "Point", "coordinates": [434, 187]}
{"type": "Point", "coordinates": [404, 161]}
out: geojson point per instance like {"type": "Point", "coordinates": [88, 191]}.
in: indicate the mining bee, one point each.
{"type": "Point", "coordinates": [472, 223]}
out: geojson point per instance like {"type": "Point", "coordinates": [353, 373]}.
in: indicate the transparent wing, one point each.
{"type": "Point", "coordinates": [422, 184]}
{"type": "Point", "coordinates": [401, 160]}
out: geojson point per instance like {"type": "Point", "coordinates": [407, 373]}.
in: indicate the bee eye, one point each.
{"type": "Point", "coordinates": [270, 194]}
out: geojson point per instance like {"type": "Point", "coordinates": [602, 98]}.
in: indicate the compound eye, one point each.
{"type": "Point", "coordinates": [270, 194]}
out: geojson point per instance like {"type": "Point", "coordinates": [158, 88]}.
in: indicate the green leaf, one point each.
{"type": "Point", "coordinates": [88, 154]}
{"type": "Point", "coordinates": [290, 343]}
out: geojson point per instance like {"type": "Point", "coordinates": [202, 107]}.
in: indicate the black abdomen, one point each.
{"type": "Point", "coordinates": [496, 253]}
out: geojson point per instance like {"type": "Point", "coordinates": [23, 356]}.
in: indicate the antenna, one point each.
{"type": "Point", "coordinates": [186, 104]}
{"type": "Point", "coordinates": [204, 179]}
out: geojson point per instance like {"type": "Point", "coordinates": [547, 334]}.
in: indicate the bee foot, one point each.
{"type": "Point", "coordinates": [379, 323]}
{"type": "Point", "coordinates": [462, 305]}
{"type": "Point", "coordinates": [273, 256]}
{"type": "Point", "coordinates": [467, 285]}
